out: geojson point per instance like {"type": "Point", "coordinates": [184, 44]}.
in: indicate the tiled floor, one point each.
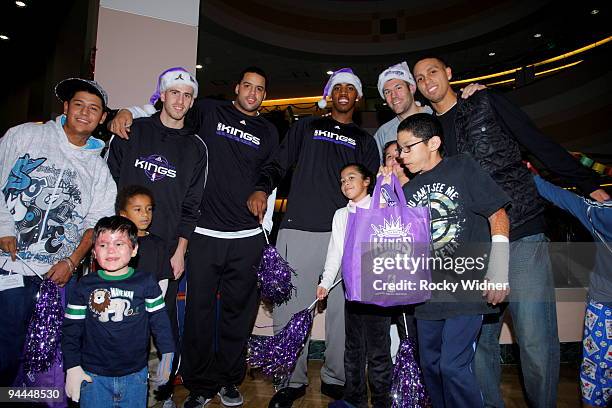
{"type": "Point", "coordinates": [258, 390]}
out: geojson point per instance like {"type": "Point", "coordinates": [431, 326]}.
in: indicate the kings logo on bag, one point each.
{"type": "Point", "coordinates": [392, 231]}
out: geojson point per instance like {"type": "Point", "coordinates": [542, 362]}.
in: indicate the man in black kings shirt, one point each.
{"type": "Point", "coordinates": [222, 297]}
{"type": "Point", "coordinates": [169, 159]}
{"type": "Point", "coordinates": [490, 129]}
{"type": "Point", "coordinates": [318, 147]}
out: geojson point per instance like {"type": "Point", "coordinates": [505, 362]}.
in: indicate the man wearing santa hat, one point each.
{"type": "Point", "coordinates": [222, 298]}
{"type": "Point", "coordinates": [319, 147]}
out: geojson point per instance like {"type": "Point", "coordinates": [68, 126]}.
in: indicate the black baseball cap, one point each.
{"type": "Point", "coordinates": [68, 87]}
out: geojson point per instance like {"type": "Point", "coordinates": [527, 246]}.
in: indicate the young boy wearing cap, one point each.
{"type": "Point", "coordinates": [167, 157]}
{"type": "Point", "coordinates": [319, 147]}
{"type": "Point", "coordinates": [55, 187]}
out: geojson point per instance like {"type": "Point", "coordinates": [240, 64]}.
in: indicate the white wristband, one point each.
{"type": "Point", "coordinates": [499, 238]}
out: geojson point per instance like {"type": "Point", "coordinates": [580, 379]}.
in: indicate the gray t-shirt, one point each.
{"type": "Point", "coordinates": [388, 132]}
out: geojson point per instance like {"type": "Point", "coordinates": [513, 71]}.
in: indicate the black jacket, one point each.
{"type": "Point", "coordinates": [173, 164]}
{"type": "Point", "coordinates": [490, 128]}
{"type": "Point", "coordinates": [482, 136]}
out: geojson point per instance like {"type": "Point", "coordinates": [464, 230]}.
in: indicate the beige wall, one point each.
{"type": "Point", "coordinates": [134, 49]}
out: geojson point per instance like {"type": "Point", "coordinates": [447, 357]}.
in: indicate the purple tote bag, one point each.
{"type": "Point", "coordinates": [385, 252]}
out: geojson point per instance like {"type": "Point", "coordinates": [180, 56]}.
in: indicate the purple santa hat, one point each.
{"type": "Point", "coordinates": [343, 75]}
{"type": "Point", "coordinates": [171, 77]}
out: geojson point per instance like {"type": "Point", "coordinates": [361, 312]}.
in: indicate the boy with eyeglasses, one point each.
{"type": "Point", "coordinates": [467, 213]}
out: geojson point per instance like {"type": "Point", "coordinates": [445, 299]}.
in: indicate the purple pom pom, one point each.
{"type": "Point", "coordinates": [44, 330]}
{"type": "Point", "coordinates": [277, 354]}
{"type": "Point", "coordinates": [274, 274]}
{"type": "Point", "coordinates": [407, 385]}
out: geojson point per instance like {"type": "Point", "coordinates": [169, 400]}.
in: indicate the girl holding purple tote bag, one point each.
{"type": "Point", "coordinates": [386, 251]}
{"type": "Point", "coordinates": [381, 232]}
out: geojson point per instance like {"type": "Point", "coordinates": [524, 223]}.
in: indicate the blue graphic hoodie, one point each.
{"type": "Point", "coordinates": [53, 191]}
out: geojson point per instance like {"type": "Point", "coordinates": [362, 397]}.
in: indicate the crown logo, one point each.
{"type": "Point", "coordinates": [392, 229]}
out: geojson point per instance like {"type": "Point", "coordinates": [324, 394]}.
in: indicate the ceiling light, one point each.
{"type": "Point", "coordinates": [491, 54]}
{"type": "Point", "coordinates": [199, 66]}
{"type": "Point", "coordinates": [537, 35]}
{"type": "Point", "coordinates": [3, 37]}
{"type": "Point", "coordinates": [20, 3]}
{"type": "Point", "coordinates": [594, 11]}
{"type": "Point", "coordinates": [330, 72]}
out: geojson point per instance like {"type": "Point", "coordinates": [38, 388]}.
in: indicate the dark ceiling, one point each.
{"type": "Point", "coordinates": [38, 30]}
{"type": "Point", "coordinates": [297, 42]}
{"type": "Point", "coordinates": [48, 40]}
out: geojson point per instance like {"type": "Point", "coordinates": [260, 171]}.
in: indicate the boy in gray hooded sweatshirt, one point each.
{"type": "Point", "coordinates": [55, 187]}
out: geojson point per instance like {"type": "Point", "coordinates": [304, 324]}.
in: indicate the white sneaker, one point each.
{"type": "Point", "coordinates": [196, 401]}
{"type": "Point", "coordinates": [230, 396]}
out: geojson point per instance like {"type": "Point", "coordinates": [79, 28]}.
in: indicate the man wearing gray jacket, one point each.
{"type": "Point", "coordinates": [55, 187]}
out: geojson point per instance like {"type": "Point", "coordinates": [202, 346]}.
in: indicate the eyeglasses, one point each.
{"type": "Point", "coordinates": [408, 148]}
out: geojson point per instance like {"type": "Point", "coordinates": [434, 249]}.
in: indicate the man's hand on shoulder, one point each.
{"type": "Point", "coordinates": [471, 89]}
{"type": "Point", "coordinates": [120, 125]}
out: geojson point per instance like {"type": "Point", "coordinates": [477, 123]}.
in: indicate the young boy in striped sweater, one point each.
{"type": "Point", "coordinates": [108, 321]}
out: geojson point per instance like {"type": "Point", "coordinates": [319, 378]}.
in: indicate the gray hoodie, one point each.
{"type": "Point", "coordinates": [53, 191]}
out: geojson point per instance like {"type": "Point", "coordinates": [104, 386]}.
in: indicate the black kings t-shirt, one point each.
{"type": "Point", "coordinates": [320, 147]}
{"type": "Point", "coordinates": [238, 145]}
{"type": "Point", "coordinates": [172, 163]}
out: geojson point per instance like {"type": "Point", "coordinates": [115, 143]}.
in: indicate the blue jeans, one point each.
{"type": "Point", "coordinates": [446, 350]}
{"type": "Point", "coordinates": [534, 320]}
{"type": "Point", "coordinates": [128, 391]}
{"type": "Point", "coordinates": [16, 307]}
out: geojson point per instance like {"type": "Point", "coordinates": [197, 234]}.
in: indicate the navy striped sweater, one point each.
{"type": "Point", "coordinates": [109, 320]}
